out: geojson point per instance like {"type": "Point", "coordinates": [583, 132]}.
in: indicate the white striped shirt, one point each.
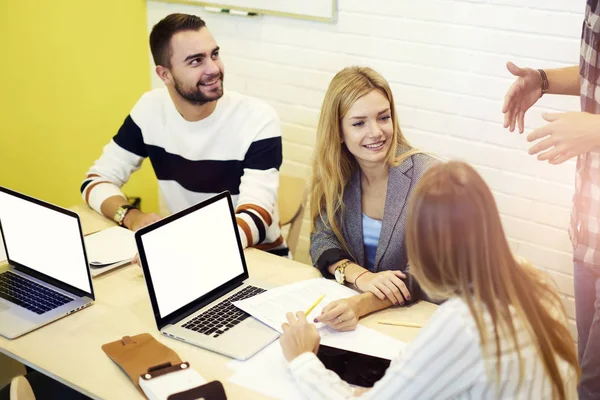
{"type": "Point", "coordinates": [445, 361]}
{"type": "Point", "coordinates": [237, 148]}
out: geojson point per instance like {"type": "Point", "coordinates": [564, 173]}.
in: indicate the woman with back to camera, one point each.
{"type": "Point", "coordinates": [502, 333]}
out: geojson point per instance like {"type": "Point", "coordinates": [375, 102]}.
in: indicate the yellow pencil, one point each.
{"type": "Point", "coordinates": [314, 305]}
{"type": "Point", "coordinates": [399, 323]}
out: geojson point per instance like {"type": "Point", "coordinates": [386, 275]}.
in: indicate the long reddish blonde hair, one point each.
{"type": "Point", "coordinates": [457, 247]}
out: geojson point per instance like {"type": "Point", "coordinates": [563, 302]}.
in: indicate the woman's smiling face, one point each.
{"type": "Point", "coordinates": [367, 128]}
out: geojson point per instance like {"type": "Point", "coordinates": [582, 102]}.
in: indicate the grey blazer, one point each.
{"type": "Point", "coordinates": [325, 249]}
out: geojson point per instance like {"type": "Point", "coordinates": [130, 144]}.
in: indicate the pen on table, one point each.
{"type": "Point", "coordinates": [399, 323]}
{"type": "Point", "coordinates": [314, 304]}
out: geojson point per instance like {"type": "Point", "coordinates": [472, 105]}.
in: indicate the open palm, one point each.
{"type": "Point", "coordinates": [522, 94]}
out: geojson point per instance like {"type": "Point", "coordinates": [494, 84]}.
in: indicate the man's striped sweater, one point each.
{"type": "Point", "coordinates": [237, 148]}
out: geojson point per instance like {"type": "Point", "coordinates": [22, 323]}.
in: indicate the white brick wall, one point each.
{"type": "Point", "coordinates": [445, 61]}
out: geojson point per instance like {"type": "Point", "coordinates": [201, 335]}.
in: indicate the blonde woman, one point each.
{"type": "Point", "coordinates": [364, 170]}
{"type": "Point", "coordinates": [501, 334]}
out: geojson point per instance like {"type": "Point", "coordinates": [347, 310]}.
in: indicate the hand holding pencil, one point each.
{"type": "Point", "coordinates": [312, 307]}
{"type": "Point", "coordinates": [341, 315]}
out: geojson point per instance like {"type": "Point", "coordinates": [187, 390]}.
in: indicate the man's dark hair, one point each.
{"type": "Point", "coordinates": [163, 31]}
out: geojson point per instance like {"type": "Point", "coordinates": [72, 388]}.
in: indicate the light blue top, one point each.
{"type": "Point", "coordinates": [371, 231]}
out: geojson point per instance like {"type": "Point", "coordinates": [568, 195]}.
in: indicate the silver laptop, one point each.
{"type": "Point", "coordinates": [194, 268]}
{"type": "Point", "coordinates": [48, 275]}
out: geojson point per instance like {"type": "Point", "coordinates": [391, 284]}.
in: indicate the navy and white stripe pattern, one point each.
{"type": "Point", "coordinates": [585, 217]}
{"type": "Point", "coordinates": [237, 148]}
{"type": "Point", "coordinates": [445, 361]}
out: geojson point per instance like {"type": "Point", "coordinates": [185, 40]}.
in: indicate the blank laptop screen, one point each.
{"type": "Point", "coordinates": [44, 240]}
{"type": "Point", "coordinates": [192, 255]}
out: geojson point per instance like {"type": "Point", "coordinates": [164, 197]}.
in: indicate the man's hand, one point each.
{"type": "Point", "coordinates": [135, 219]}
{"type": "Point", "coordinates": [299, 336]}
{"type": "Point", "coordinates": [566, 136]}
{"type": "Point", "coordinates": [341, 315]}
{"type": "Point", "coordinates": [522, 94]}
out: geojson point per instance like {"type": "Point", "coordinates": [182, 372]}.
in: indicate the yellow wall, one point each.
{"type": "Point", "coordinates": [70, 71]}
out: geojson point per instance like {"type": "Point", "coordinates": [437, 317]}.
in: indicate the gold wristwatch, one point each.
{"type": "Point", "coordinates": [340, 272]}
{"type": "Point", "coordinates": [121, 212]}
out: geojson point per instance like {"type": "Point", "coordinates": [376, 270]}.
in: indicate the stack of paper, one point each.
{"type": "Point", "coordinates": [271, 306]}
{"type": "Point", "coordinates": [268, 372]}
{"type": "Point", "coordinates": [109, 249]}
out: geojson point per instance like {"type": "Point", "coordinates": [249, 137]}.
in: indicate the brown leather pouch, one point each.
{"type": "Point", "coordinates": [142, 354]}
{"type": "Point", "coordinates": [138, 354]}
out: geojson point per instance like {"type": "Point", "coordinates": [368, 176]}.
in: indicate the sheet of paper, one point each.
{"type": "Point", "coordinates": [271, 306]}
{"type": "Point", "coordinates": [95, 270]}
{"type": "Point", "coordinates": [268, 372]}
{"type": "Point", "coordinates": [362, 340]}
{"type": "Point", "coordinates": [110, 246]}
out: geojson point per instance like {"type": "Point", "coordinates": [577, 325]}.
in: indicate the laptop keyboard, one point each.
{"type": "Point", "coordinates": [30, 295]}
{"type": "Point", "coordinates": [220, 318]}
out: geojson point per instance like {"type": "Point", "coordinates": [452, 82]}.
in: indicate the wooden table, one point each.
{"type": "Point", "coordinates": [69, 349]}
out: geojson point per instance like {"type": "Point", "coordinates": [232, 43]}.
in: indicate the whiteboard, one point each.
{"type": "Point", "coordinates": [318, 10]}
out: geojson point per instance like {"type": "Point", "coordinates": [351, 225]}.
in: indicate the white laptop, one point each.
{"type": "Point", "coordinates": [194, 268]}
{"type": "Point", "coordinates": [48, 275]}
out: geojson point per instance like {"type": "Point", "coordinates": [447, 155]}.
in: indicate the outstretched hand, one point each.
{"type": "Point", "coordinates": [521, 95]}
{"type": "Point", "coordinates": [566, 136]}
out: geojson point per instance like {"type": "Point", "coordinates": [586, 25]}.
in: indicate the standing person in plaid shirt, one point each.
{"type": "Point", "coordinates": [568, 135]}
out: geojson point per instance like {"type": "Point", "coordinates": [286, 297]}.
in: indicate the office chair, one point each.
{"type": "Point", "coordinates": [20, 389]}
{"type": "Point", "coordinates": [291, 202]}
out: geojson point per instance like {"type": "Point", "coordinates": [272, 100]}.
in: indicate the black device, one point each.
{"type": "Point", "coordinates": [355, 368]}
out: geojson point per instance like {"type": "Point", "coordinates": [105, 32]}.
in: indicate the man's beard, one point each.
{"type": "Point", "coordinates": [195, 95]}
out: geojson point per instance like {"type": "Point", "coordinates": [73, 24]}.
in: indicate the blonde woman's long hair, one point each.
{"type": "Point", "coordinates": [457, 247]}
{"type": "Point", "coordinates": [333, 165]}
